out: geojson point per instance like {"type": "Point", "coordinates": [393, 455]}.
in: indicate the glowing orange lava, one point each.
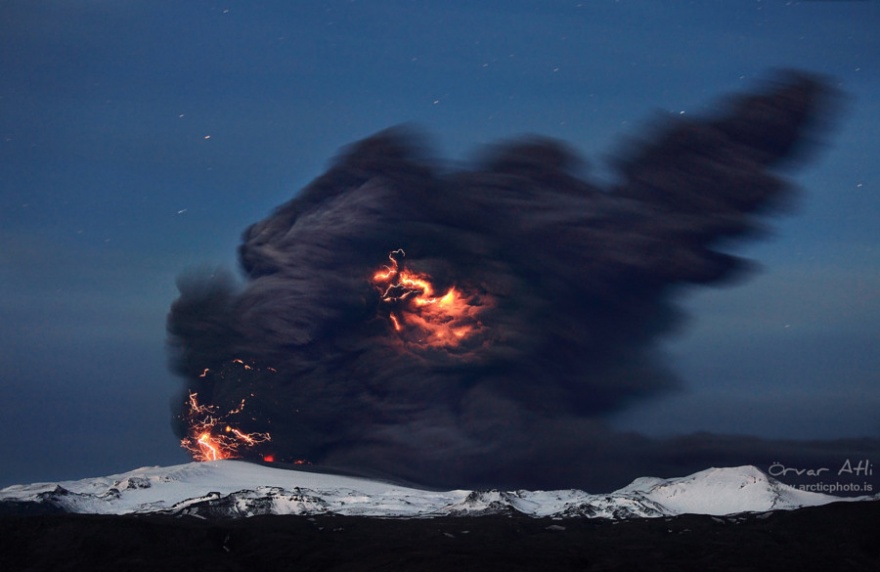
{"type": "Point", "coordinates": [425, 318]}
{"type": "Point", "coordinates": [211, 437]}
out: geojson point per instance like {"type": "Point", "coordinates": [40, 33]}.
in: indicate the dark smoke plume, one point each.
{"type": "Point", "coordinates": [565, 289]}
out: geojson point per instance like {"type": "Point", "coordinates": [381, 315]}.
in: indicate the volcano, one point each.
{"type": "Point", "coordinates": [236, 489]}
{"type": "Point", "coordinates": [233, 515]}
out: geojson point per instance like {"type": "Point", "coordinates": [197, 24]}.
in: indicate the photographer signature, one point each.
{"type": "Point", "coordinates": [862, 468]}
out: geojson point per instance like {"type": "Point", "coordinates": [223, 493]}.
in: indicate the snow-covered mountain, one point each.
{"type": "Point", "coordinates": [231, 489]}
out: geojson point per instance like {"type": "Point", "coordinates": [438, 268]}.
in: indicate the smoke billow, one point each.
{"type": "Point", "coordinates": [474, 327]}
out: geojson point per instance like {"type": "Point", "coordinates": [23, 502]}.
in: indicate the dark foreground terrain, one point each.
{"type": "Point", "coordinates": [842, 536]}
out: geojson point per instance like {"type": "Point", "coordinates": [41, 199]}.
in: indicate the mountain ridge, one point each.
{"type": "Point", "coordinates": [238, 489]}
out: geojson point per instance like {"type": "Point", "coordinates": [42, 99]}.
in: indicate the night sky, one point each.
{"type": "Point", "coordinates": [138, 140]}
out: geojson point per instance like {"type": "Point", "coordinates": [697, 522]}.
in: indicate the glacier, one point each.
{"type": "Point", "coordinates": [239, 489]}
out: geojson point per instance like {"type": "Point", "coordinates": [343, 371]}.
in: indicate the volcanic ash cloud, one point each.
{"type": "Point", "coordinates": [444, 327]}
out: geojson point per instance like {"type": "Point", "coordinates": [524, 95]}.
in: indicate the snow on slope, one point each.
{"type": "Point", "coordinates": [240, 489]}
{"type": "Point", "coordinates": [724, 491]}
{"type": "Point", "coordinates": [152, 489]}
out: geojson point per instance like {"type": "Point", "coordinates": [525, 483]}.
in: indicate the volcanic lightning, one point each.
{"type": "Point", "coordinates": [429, 320]}
{"type": "Point", "coordinates": [211, 437]}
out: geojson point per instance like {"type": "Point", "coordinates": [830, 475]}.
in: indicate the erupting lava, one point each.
{"type": "Point", "coordinates": [430, 320]}
{"type": "Point", "coordinates": [211, 437]}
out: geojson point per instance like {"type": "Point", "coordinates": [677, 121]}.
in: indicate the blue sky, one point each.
{"type": "Point", "coordinates": [140, 138]}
